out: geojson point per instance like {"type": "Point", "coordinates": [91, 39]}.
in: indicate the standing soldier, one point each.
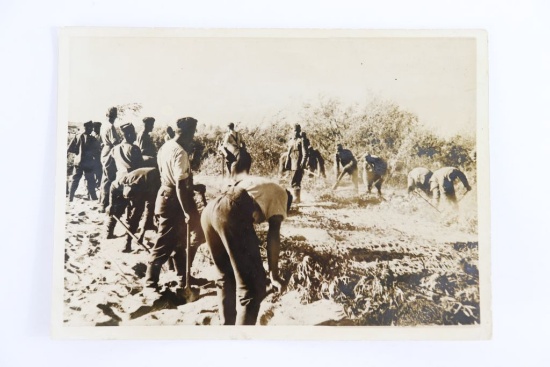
{"type": "Point", "coordinates": [98, 171]}
{"type": "Point", "coordinates": [228, 224]}
{"type": "Point", "coordinates": [419, 177]}
{"type": "Point", "coordinates": [374, 170]}
{"type": "Point", "coordinates": [232, 143]}
{"type": "Point", "coordinates": [175, 204]}
{"type": "Point", "coordinates": [109, 138]}
{"type": "Point", "coordinates": [83, 146]}
{"type": "Point", "coordinates": [295, 161]}
{"type": "Point", "coordinates": [443, 180]}
{"type": "Point", "coordinates": [146, 144]}
{"type": "Point", "coordinates": [134, 192]}
{"type": "Point", "coordinates": [345, 158]}
{"type": "Point", "coordinates": [127, 155]}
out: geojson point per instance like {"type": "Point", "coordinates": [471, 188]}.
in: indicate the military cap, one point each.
{"type": "Point", "coordinates": [148, 120]}
{"type": "Point", "coordinates": [97, 124]}
{"type": "Point", "coordinates": [127, 127]}
{"type": "Point", "coordinates": [231, 125]}
{"type": "Point", "coordinates": [186, 123]}
{"type": "Point", "coordinates": [88, 124]}
{"type": "Point", "coordinates": [297, 127]}
{"type": "Point", "coordinates": [339, 146]}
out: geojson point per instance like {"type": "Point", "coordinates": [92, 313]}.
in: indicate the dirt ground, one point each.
{"type": "Point", "coordinates": [346, 258]}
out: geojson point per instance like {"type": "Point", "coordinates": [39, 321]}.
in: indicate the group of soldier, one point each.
{"type": "Point", "coordinates": [157, 188]}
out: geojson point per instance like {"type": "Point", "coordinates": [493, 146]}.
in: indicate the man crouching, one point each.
{"type": "Point", "coordinates": [228, 225]}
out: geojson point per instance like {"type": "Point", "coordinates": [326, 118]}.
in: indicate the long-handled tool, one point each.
{"type": "Point", "coordinates": [131, 234]}
{"type": "Point", "coordinates": [190, 294]}
{"type": "Point", "coordinates": [466, 193]}
{"type": "Point", "coordinates": [416, 192]}
{"type": "Point", "coordinates": [338, 180]}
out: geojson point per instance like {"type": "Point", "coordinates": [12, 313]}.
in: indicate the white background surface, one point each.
{"type": "Point", "coordinates": [519, 67]}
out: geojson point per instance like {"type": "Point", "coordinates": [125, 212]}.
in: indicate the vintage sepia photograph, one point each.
{"type": "Point", "coordinates": [286, 184]}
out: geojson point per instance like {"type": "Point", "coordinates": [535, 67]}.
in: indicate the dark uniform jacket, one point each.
{"type": "Point", "coordinates": [83, 146]}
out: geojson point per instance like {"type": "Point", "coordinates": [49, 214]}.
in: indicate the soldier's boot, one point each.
{"type": "Point", "coordinates": [296, 194]}
{"type": "Point", "coordinates": [153, 274]}
{"type": "Point", "coordinates": [128, 247]}
{"type": "Point", "coordinates": [110, 229]}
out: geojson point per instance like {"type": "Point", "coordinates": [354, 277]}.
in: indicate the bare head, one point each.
{"type": "Point", "coordinates": [148, 123]}
{"type": "Point", "coordinates": [112, 114]}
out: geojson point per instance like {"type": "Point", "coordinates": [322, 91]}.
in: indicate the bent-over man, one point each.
{"type": "Point", "coordinates": [345, 158]}
{"type": "Point", "coordinates": [135, 193]}
{"type": "Point", "coordinates": [419, 178]}
{"type": "Point", "coordinates": [228, 224]}
{"type": "Point", "coordinates": [443, 179]}
{"type": "Point", "coordinates": [374, 170]}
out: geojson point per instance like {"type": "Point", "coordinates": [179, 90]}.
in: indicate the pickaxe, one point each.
{"type": "Point", "coordinates": [131, 234]}
{"type": "Point", "coordinates": [422, 197]}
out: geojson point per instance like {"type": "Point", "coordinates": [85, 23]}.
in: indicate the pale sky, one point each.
{"type": "Point", "coordinates": [249, 80]}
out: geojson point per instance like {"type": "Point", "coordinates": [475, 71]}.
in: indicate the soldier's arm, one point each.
{"type": "Point", "coordinates": [184, 192]}
{"type": "Point", "coordinates": [273, 249]}
{"type": "Point", "coordinates": [337, 164]}
{"type": "Point", "coordinates": [464, 180]}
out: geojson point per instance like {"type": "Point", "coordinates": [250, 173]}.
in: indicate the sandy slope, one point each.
{"type": "Point", "coordinates": [104, 286]}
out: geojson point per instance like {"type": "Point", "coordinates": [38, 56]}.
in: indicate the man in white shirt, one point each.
{"type": "Point", "coordinates": [174, 205]}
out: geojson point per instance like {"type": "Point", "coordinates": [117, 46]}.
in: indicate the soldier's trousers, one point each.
{"type": "Point", "coordinates": [228, 226]}
{"type": "Point", "coordinates": [98, 173]}
{"type": "Point", "coordinates": [89, 178]}
{"type": "Point", "coordinates": [172, 235]}
{"type": "Point", "coordinates": [108, 176]}
{"type": "Point", "coordinates": [371, 179]}
{"type": "Point", "coordinates": [351, 169]}
{"type": "Point", "coordinates": [296, 181]}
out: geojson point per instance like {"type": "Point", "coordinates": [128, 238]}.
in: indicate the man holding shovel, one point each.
{"type": "Point", "coordinates": [228, 224]}
{"type": "Point", "coordinates": [174, 205]}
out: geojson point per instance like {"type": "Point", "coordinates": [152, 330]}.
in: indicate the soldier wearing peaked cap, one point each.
{"type": "Point", "coordinates": [109, 139]}
{"type": "Point", "coordinates": [175, 204]}
{"type": "Point", "coordinates": [146, 144]}
{"type": "Point", "coordinates": [127, 155]}
{"type": "Point", "coordinates": [83, 146]}
{"type": "Point", "coordinates": [98, 170]}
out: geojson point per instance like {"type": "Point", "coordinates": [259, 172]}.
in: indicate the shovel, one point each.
{"type": "Point", "coordinates": [190, 294]}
